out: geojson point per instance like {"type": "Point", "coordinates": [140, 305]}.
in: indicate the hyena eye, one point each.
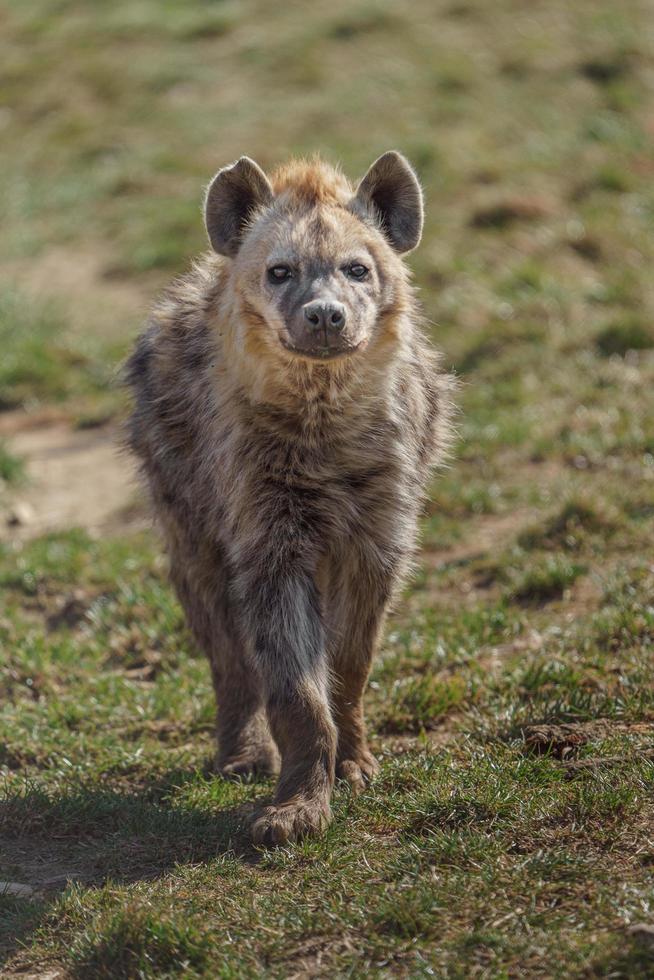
{"type": "Point", "coordinates": [357, 271]}
{"type": "Point", "coordinates": [279, 273]}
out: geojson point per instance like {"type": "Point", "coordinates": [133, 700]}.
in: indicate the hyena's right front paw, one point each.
{"type": "Point", "coordinates": [283, 823]}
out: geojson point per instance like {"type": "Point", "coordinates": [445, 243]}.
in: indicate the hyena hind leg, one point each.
{"type": "Point", "coordinates": [358, 617]}
{"type": "Point", "coordinates": [245, 745]}
{"type": "Point", "coordinates": [355, 763]}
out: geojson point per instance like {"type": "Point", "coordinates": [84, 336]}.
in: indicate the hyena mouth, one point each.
{"type": "Point", "coordinates": [330, 353]}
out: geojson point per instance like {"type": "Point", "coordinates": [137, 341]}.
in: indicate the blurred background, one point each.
{"type": "Point", "coordinates": [531, 125]}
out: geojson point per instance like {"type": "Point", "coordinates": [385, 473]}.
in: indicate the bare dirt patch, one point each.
{"type": "Point", "coordinates": [487, 533]}
{"type": "Point", "coordinates": [564, 740]}
{"type": "Point", "coordinates": [44, 867]}
{"type": "Point", "coordinates": [77, 277]}
{"type": "Point", "coordinates": [74, 479]}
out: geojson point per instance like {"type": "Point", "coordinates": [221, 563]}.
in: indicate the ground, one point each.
{"type": "Point", "coordinates": [510, 832]}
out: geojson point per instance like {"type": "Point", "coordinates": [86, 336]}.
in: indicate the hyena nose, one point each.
{"type": "Point", "coordinates": [328, 316]}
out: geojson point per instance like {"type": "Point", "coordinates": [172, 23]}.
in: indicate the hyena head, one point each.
{"type": "Point", "coordinates": [316, 270]}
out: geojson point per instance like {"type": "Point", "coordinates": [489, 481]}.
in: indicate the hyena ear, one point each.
{"type": "Point", "coordinates": [391, 192]}
{"type": "Point", "coordinates": [233, 194]}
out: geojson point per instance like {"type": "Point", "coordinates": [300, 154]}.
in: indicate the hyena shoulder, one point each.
{"type": "Point", "coordinates": [169, 369]}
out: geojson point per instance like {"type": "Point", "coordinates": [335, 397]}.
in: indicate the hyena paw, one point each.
{"type": "Point", "coordinates": [260, 760]}
{"type": "Point", "coordinates": [358, 769]}
{"type": "Point", "coordinates": [283, 823]}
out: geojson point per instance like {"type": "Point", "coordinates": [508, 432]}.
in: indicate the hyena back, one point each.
{"type": "Point", "coordinates": [287, 413]}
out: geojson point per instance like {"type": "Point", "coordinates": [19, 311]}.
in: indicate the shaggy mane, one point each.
{"type": "Point", "coordinates": [309, 182]}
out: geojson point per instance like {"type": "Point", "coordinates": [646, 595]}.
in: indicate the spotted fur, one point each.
{"type": "Point", "coordinates": [288, 490]}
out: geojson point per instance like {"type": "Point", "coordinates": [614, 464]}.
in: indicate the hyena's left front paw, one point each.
{"type": "Point", "coordinates": [256, 760]}
{"type": "Point", "coordinates": [283, 823]}
{"type": "Point", "coordinates": [358, 768]}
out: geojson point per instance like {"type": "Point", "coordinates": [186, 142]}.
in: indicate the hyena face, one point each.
{"type": "Point", "coordinates": [319, 286]}
{"type": "Point", "coordinates": [314, 263]}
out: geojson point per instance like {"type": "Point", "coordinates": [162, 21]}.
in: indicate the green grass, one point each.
{"type": "Point", "coordinates": [11, 467]}
{"type": "Point", "coordinates": [41, 362]}
{"type": "Point", "coordinates": [549, 579]}
{"type": "Point", "coordinates": [624, 336]}
{"type": "Point", "coordinates": [485, 847]}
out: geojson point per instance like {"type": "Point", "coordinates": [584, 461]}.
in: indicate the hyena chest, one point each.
{"type": "Point", "coordinates": [359, 497]}
{"type": "Point", "coordinates": [337, 494]}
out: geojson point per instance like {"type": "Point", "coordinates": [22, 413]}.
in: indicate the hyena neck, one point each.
{"type": "Point", "coordinates": [317, 402]}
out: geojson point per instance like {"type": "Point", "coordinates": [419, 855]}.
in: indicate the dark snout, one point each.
{"type": "Point", "coordinates": [319, 329]}
{"type": "Point", "coordinates": [325, 316]}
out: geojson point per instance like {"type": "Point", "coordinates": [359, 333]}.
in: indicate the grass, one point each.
{"type": "Point", "coordinates": [42, 363]}
{"type": "Point", "coordinates": [624, 336]}
{"type": "Point", "coordinates": [11, 467]}
{"type": "Point", "coordinates": [512, 707]}
{"type": "Point", "coordinates": [549, 579]}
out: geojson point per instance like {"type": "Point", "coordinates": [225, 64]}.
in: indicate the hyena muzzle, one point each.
{"type": "Point", "coordinates": [288, 410]}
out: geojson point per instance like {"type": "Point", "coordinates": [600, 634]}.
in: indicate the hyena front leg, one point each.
{"type": "Point", "coordinates": [282, 620]}
{"type": "Point", "coordinates": [359, 603]}
{"type": "Point", "coordinates": [245, 745]}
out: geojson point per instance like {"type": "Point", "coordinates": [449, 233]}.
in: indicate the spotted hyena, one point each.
{"type": "Point", "coordinates": [288, 410]}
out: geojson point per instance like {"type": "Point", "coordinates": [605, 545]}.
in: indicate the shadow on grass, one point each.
{"type": "Point", "coordinates": [90, 835]}
{"type": "Point", "coordinates": [19, 918]}
{"type": "Point", "coordinates": [635, 962]}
